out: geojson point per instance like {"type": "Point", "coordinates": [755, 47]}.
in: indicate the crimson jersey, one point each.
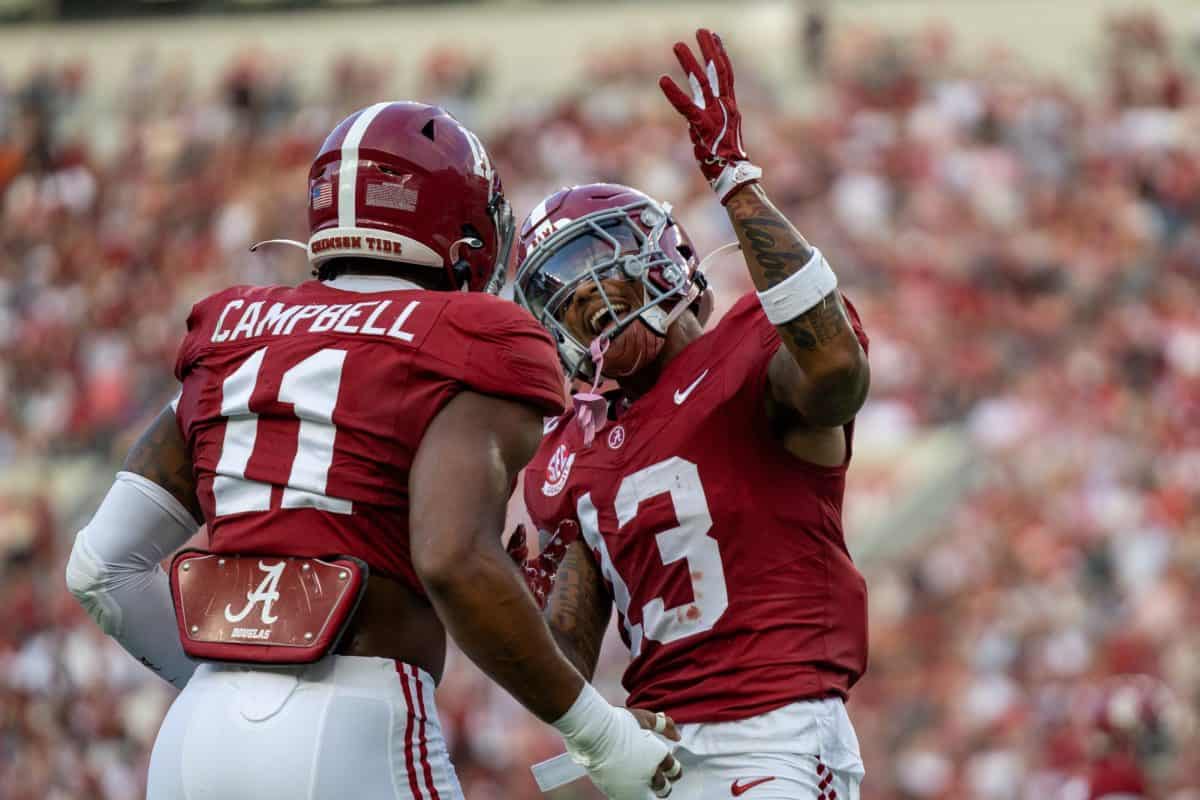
{"type": "Point", "coordinates": [303, 407]}
{"type": "Point", "coordinates": [723, 553]}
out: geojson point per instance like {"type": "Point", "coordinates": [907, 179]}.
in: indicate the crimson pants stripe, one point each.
{"type": "Point", "coordinates": [408, 735]}
{"type": "Point", "coordinates": [420, 692]}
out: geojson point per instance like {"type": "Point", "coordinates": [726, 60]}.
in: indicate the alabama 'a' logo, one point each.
{"type": "Point", "coordinates": [266, 593]}
{"type": "Point", "coordinates": [616, 437]}
{"type": "Point", "coordinates": [557, 471]}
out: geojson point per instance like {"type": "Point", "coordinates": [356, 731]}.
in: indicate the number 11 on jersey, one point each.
{"type": "Point", "coordinates": [311, 386]}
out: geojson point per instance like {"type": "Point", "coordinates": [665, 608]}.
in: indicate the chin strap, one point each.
{"type": "Point", "coordinates": [681, 305]}
{"type": "Point", "coordinates": [697, 286]}
{"type": "Point", "coordinates": [591, 409]}
{"type": "Point", "coordinates": [729, 247]}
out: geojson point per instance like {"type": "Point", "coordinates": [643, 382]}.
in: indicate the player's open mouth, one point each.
{"type": "Point", "coordinates": [602, 319]}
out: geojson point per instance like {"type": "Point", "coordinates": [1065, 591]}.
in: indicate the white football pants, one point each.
{"type": "Point", "coordinates": [342, 727]}
{"type": "Point", "coordinates": [803, 751]}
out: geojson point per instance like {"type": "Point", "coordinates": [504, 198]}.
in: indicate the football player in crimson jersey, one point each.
{"type": "Point", "coordinates": [351, 444]}
{"type": "Point", "coordinates": [708, 487]}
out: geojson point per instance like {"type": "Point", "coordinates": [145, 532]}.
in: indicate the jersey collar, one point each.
{"type": "Point", "coordinates": [369, 283]}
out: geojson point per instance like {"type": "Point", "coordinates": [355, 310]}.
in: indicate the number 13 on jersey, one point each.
{"type": "Point", "coordinates": [689, 541]}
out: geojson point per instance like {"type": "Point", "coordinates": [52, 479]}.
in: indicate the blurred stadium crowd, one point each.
{"type": "Point", "coordinates": [1024, 255]}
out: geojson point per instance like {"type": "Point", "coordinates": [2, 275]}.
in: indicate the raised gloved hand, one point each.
{"type": "Point", "coordinates": [714, 122]}
{"type": "Point", "coordinates": [539, 572]}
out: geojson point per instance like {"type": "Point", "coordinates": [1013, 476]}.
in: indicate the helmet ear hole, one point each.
{"type": "Point", "coordinates": [472, 240]}
{"type": "Point", "coordinates": [684, 251]}
{"type": "Point", "coordinates": [427, 130]}
{"type": "Point", "coordinates": [462, 273]}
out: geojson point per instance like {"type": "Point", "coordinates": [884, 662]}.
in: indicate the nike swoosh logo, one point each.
{"type": "Point", "coordinates": [681, 396]}
{"type": "Point", "coordinates": [737, 789]}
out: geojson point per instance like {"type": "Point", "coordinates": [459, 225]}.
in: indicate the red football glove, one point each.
{"type": "Point", "coordinates": [539, 572]}
{"type": "Point", "coordinates": [714, 122]}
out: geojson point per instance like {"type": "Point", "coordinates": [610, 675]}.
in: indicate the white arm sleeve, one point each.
{"type": "Point", "coordinates": [114, 572]}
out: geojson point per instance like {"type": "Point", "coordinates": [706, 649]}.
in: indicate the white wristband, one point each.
{"type": "Point", "coordinates": [802, 290]}
{"type": "Point", "coordinates": [735, 174]}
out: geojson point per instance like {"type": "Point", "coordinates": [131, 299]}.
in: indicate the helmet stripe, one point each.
{"type": "Point", "coordinates": [538, 214]}
{"type": "Point", "coordinates": [482, 165]}
{"type": "Point", "coordinates": [348, 169]}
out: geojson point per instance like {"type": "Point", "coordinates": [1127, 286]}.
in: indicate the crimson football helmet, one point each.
{"type": "Point", "coordinates": [407, 182]}
{"type": "Point", "coordinates": [602, 230]}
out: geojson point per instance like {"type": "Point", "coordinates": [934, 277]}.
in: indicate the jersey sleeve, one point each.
{"type": "Point", "coordinates": [198, 323]}
{"type": "Point", "coordinates": [856, 324]}
{"type": "Point", "coordinates": [756, 339]}
{"type": "Point", "coordinates": [190, 345]}
{"type": "Point", "coordinates": [203, 318]}
{"type": "Point", "coordinates": [546, 512]}
{"type": "Point", "coordinates": [509, 355]}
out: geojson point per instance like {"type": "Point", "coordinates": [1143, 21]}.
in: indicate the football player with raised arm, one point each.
{"type": "Point", "coordinates": [350, 443]}
{"type": "Point", "coordinates": [707, 488]}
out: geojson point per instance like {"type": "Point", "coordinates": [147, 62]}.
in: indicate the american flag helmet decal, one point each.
{"type": "Point", "coordinates": [322, 195]}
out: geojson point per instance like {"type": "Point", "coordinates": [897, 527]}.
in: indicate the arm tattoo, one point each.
{"type": "Point", "coordinates": [160, 454]}
{"type": "Point", "coordinates": [775, 251]}
{"type": "Point", "coordinates": [578, 609]}
{"type": "Point", "coordinates": [821, 341]}
{"type": "Point", "coordinates": [821, 324]}
{"type": "Point", "coordinates": [776, 261]}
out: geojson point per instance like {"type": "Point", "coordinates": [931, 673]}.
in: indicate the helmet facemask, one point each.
{"type": "Point", "coordinates": [506, 227]}
{"type": "Point", "coordinates": [623, 243]}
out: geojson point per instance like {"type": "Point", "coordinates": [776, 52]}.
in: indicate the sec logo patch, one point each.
{"type": "Point", "coordinates": [557, 471]}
